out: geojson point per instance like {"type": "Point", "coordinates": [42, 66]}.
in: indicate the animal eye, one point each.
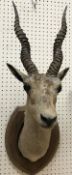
{"type": "Point", "coordinates": [27, 87]}
{"type": "Point", "coordinates": [59, 88]}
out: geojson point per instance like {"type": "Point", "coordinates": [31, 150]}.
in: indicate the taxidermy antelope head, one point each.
{"type": "Point", "coordinates": [42, 91]}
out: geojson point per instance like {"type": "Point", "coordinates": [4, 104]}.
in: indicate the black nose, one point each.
{"type": "Point", "coordinates": [48, 121]}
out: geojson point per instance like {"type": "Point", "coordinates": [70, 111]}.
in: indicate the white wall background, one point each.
{"type": "Point", "coordinates": [41, 26]}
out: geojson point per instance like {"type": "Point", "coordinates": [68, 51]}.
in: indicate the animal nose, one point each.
{"type": "Point", "coordinates": [48, 121]}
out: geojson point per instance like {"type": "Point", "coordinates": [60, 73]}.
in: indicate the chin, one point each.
{"type": "Point", "coordinates": [43, 125]}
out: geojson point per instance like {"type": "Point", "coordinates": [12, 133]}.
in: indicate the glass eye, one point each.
{"type": "Point", "coordinates": [27, 87]}
{"type": "Point", "coordinates": [59, 88]}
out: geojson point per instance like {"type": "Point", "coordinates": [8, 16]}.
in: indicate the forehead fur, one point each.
{"type": "Point", "coordinates": [42, 79]}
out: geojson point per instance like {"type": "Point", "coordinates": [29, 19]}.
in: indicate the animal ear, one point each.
{"type": "Point", "coordinates": [19, 75]}
{"type": "Point", "coordinates": [62, 74]}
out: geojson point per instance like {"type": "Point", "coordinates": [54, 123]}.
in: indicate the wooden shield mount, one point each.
{"type": "Point", "coordinates": [13, 130]}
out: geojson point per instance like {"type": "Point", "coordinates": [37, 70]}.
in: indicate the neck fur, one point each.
{"type": "Point", "coordinates": [34, 140]}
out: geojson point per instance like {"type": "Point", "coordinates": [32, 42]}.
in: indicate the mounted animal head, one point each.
{"type": "Point", "coordinates": [42, 89]}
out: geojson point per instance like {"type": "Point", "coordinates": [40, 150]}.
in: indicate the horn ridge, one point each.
{"type": "Point", "coordinates": [55, 65]}
{"type": "Point", "coordinates": [57, 50]}
{"type": "Point", "coordinates": [61, 35]}
{"type": "Point", "coordinates": [19, 32]}
{"type": "Point", "coordinates": [28, 64]}
{"type": "Point", "coordinates": [25, 46]}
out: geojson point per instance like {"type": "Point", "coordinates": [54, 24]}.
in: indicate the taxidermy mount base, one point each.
{"type": "Point", "coordinates": [13, 130]}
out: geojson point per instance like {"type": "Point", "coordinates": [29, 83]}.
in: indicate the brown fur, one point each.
{"type": "Point", "coordinates": [35, 136]}
{"type": "Point", "coordinates": [41, 99]}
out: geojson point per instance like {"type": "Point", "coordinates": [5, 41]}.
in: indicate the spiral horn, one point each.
{"type": "Point", "coordinates": [57, 50]}
{"type": "Point", "coordinates": [25, 51]}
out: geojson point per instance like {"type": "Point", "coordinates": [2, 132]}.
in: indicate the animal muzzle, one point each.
{"type": "Point", "coordinates": [48, 122]}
